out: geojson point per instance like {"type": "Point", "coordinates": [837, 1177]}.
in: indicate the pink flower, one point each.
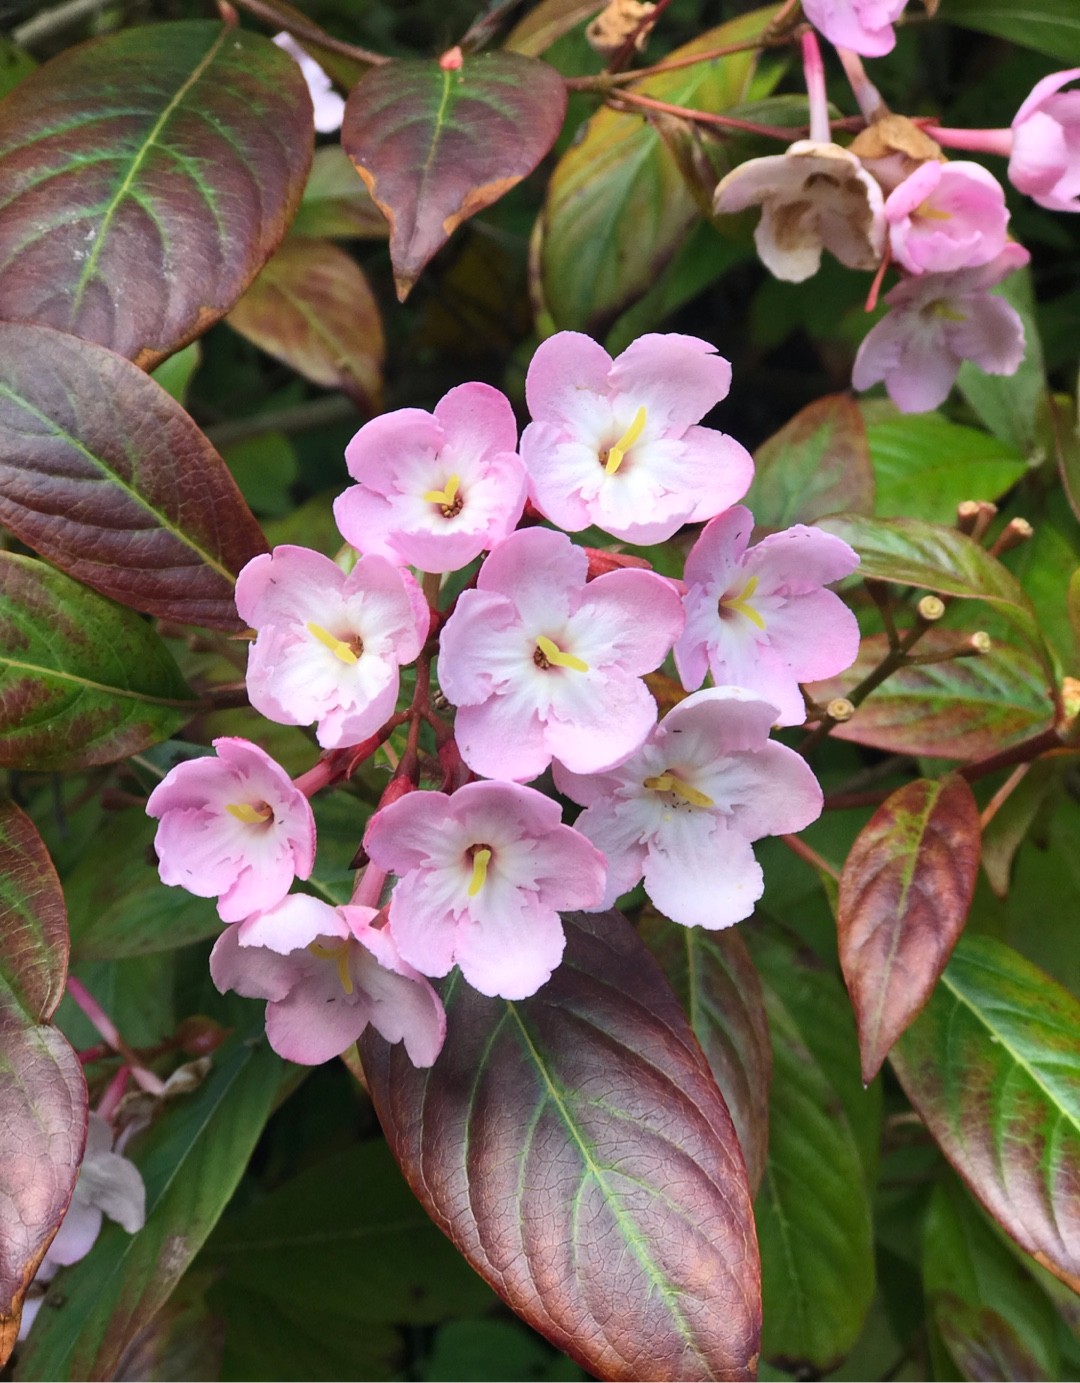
{"type": "Point", "coordinates": [946, 216]}
{"type": "Point", "coordinates": [759, 618]}
{"type": "Point", "coordinates": [616, 444]}
{"type": "Point", "coordinates": [684, 810]}
{"type": "Point", "coordinates": [865, 26]}
{"type": "Point", "coordinates": [329, 645]}
{"type": "Point", "coordinates": [328, 973]}
{"type": "Point", "coordinates": [329, 106]}
{"type": "Point", "coordinates": [542, 665]}
{"type": "Point", "coordinates": [937, 321]}
{"type": "Point", "coordinates": [1045, 161]}
{"type": "Point", "coordinates": [483, 877]}
{"type": "Point", "coordinates": [233, 827]}
{"type": "Point", "coordinates": [435, 489]}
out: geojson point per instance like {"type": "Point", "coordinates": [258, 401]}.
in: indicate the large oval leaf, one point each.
{"type": "Point", "coordinates": [82, 681]}
{"type": "Point", "coordinates": [576, 1149]}
{"type": "Point", "coordinates": [905, 892]}
{"type": "Point", "coordinates": [993, 1067]}
{"type": "Point", "coordinates": [146, 178]}
{"type": "Point", "coordinates": [436, 144]}
{"type": "Point", "coordinates": [817, 464]}
{"type": "Point", "coordinates": [1048, 26]}
{"type": "Point", "coordinates": [312, 308]}
{"type": "Point", "coordinates": [34, 935]}
{"type": "Point", "coordinates": [105, 475]}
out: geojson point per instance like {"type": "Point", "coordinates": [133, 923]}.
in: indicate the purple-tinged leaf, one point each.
{"type": "Point", "coordinates": [817, 464]}
{"type": "Point", "coordinates": [147, 176]}
{"type": "Point", "coordinates": [105, 475]}
{"type": "Point", "coordinates": [575, 1148]}
{"type": "Point", "coordinates": [992, 1065]}
{"type": "Point", "coordinates": [713, 975]}
{"type": "Point", "coordinates": [312, 308]}
{"type": "Point", "coordinates": [436, 144]}
{"type": "Point", "coordinates": [905, 892]}
{"type": "Point", "coordinates": [34, 936]}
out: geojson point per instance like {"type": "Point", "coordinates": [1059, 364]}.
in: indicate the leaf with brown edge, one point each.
{"type": "Point", "coordinates": [312, 308]}
{"type": "Point", "coordinates": [147, 176]}
{"type": "Point", "coordinates": [713, 975]}
{"type": "Point", "coordinates": [905, 891]}
{"type": "Point", "coordinates": [104, 474]}
{"type": "Point", "coordinates": [436, 144]}
{"type": "Point", "coordinates": [992, 1066]}
{"type": "Point", "coordinates": [575, 1148]}
{"type": "Point", "coordinates": [817, 464]}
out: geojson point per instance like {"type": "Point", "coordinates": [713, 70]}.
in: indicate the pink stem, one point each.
{"type": "Point", "coordinates": [862, 88]}
{"type": "Point", "coordinates": [369, 887]}
{"type": "Point", "coordinates": [114, 1093]}
{"type": "Point", "coordinates": [108, 1030]}
{"type": "Point", "coordinates": [979, 141]}
{"type": "Point", "coordinates": [317, 777]}
{"type": "Point", "coordinates": [814, 70]}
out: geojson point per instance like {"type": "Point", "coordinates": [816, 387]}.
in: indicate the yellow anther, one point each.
{"type": "Point", "coordinates": [338, 954]}
{"type": "Point", "coordinates": [943, 309]}
{"type": "Point", "coordinates": [741, 603]}
{"type": "Point", "coordinates": [249, 815]}
{"type": "Point", "coordinates": [445, 497]}
{"type": "Point", "coordinates": [926, 212]}
{"type": "Point", "coordinates": [479, 871]}
{"type": "Point", "coordinates": [556, 657]}
{"type": "Point", "coordinates": [667, 782]}
{"type": "Point", "coordinates": [338, 647]}
{"type": "Point", "coordinates": [626, 441]}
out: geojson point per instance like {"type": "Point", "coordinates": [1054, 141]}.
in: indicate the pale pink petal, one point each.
{"type": "Point", "coordinates": [389, 447]}
{"type": "Point", "coordinates": [565, 475]}
{"type": "Point", "coordinates": [720, 720]}
{"type": "Point", "coordinates": [630, 618]}
{"type": "Point", "coordinates": [717, 468]}
{"type": "Point", "coordinates": [403, 1007]}
{"type": "Point", "coordinates": [536, 569]}
{"type": "Point", "coordinates": [482, 647]}
{"type": "Point", "coordinates": [800, 559]}
{"type": "Point", "coordinates": [701, 873]}
{"type": "Point", "coordinates": [676, 379]}
{"type": "Point", "coordinates": [78, 1232]}
{"type": "Point", "coordinates": [290, 926]}
{"type": "Point", "coordinates": [291, 583]}
{"type": "Point", "coordinates": [597, 727]}
{"type": "Point", "coordinates": [569, 871]}
{"type": "Point", "coordinates": [511, 953]}
{"type": "Point", "coordinates": [859, 26]}
{"type": "Point", "coordinates": [618, 835]}
{"type": "Point", "coordinates": [316, 1020]}
{"type": "Point", "coordinates": [365, 519]}
{"type": "Point", "coordinates": [1040, 155]}
{"type": "Point", "coordinates": [400, 837]}
{"type": "Point", "coordinates": [1042, 91]}
{"type": "Point", "coordinates": [424, 915]}
{"type": "Point", "coordinates": [814, 632]}
{"type": "Point", "coordinates": [477, 419]}
{"type": "Point", "coordinates": [783, 794]}
{"type": "Point", "coordinates": [254, 973]}
{"type": "Point", "coordinates": [503, 737]}
{"type": "Point", "coordinates": [567, 383]}
{"type": "Point", "coordinates": [719, 550]}
{"type": "Point", "coordinates": [992, 335]}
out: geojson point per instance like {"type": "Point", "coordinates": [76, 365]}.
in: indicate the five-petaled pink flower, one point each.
{"type": "Point", "coordinates": [936, 322]}
{"type": "Point", "coordinates": [233, 826]}
{"type": "Point", "coordinates": [946, 216]}
{"type": "Point", "coordinates": [327, 973]}
{"type": "Point", "coordinates": [864, 26]}
{"type": "Point", "coordinates": [483, 876]}
{"type": "Point", "coordinates": [616, 443]}
{"type": "Point", "coordinates": [760, 617]}
{"type": "Point", "coordinates": [1045, 158]}
{"type": "Point", "coordinates": [682, 813]}
{"type": "Point", "coordinates": [329, 645]}
{"type": "Point", "coordinates": [543, 666]}
{"type": "Point", "coordinates": [434, 490]}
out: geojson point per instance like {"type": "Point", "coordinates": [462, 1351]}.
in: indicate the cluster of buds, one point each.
{"type": "Point", "coordinates": [542, 656]}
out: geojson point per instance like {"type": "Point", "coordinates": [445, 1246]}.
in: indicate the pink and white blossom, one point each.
{"type": "Point", "coordinates": [542, 665]}
{"type": "Point", "coordinates": [329, 107]}
{"type": "Point", "coordinates": [946, 216]}
{"type": "Point", "coordinates": [935, 323]}
{"type": "Point", "coordinates": [683, 811]}
{"type": "Point", "coordinates": [1045, 157]}
{"type": "Point", "coordinates": [760, 617]}
{"type": "Point", "coordinates": [327, 973]}
{"type": "Point", "coordinates": [484, 874]}
{"type": "Point", "coordinates": [233, 827]}
{"type": "Point", "coordinates": [329, 646]}
{"type": "Point", "coordinates": [617, 443]}
{"type": "Point", "coordinates": [434, 490]}
{"type": "Point", "coordinates": [864, 26]}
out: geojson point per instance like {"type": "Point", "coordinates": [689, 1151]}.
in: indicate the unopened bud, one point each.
{"type": "Point", "coordinates": [200, 1035]}
{"type": "Point", "coordinates": [931, 608]}
{"type": "Point", "coordinates": [840, 709]}
{"type": "Point", "coordinates": [452, 60]}
{"type": "Point", "coordinates": [1015, 532]}
{"type": "Point", "coordinates": [396, 789]}
{"type": "Point", "coordinates": [602, 561]}
{"type": "Point", "coordinates": [974, 516]}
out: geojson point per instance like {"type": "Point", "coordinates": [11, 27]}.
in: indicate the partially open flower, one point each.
{"type": "Point", "coordinates": [947, 216]}
{"type": "Point", "coordinates": [864, 26]}
{"type": "Point", "coordinates": [1045, 162]}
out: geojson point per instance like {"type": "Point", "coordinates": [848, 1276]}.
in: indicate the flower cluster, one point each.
{"type": "Point", "coordinates": [542, 656]}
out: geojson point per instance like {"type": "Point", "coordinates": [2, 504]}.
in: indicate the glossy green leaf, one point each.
{"type": "Point", "coordinates": [1048, 26]}
{"type": "Point", "coordinates": [82, 681]}
{"type": "Point", "coordinates": [993, 1067]}
{"type": "Point", "coordinates": [174, 374]}
{"type": "Point", "coordinates": [435, 144]}
{"type": "Point", "coordinates": [147, 177]}
{"type": "Point", "coordinates": [817, 464]}
{"type": "Point", "coordinates": [191, 1160]}
{"type": "Point", "coordinates": [336, 203]}
{"type": "Point", "coordinates": [548, 21]}
{"type": "Point", "coordinates": [585, 1163]}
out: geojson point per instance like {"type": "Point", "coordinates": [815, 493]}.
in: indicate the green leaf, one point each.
{"type": "Point", "coordinates": [336, 203]}
{"type": "Point", "coordinates": [1011, 405]}
{"type": "Point", "coordinates": [82, 681]}
{"type": "Point", "coordinates": [993, 1068]}
{"type": "Point", "coordinates": [1048, 26]}
{"type": "Point", "coordinates": [174, 375]}
{"type": "Point", "coordinates": [191, 1161]}
{"type": "Point", "coordinates": [491, 1351]}
{"type": "Point", "coordinates": [817, 464]}
{"type": "Point", "coordinates": [14, 65]}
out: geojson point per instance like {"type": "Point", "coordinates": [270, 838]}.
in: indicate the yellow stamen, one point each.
{"type": "Point", "coordinates": [554, 655]}
{"type": "Point", "coordinates": [249, 815]}
{"type": "Point", "coordinates": [338, 647]}
{"type": "Point", "coordinates": [339, 954]}
{"type": "Point", "coordinates": [479, 871]}
{"type": "Point", "coordinates": [626, 441]}
{"type": "Point", "coordinates": [741, 603]}
{"type": "Point", "coordinates": [445, 497]}
{"type": "Point", "coordinates": [667, 782]}
{"type": "Point", "coordinates": [926, 212]}
{"type": "Point", "coordinates": [947, 313]}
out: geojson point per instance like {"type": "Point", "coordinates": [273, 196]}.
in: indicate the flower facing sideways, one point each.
{"type": "Point", "coordinates": [484, 874]}
{"type": "Point", "coordinates": [1044, 161]}
{"type": "Point", "coordinates": [682, 813]}
{"type": "Point", "coordinates": [864, 26]}
{"type": "Point", "coordinates": [233, 827]}
{"type": "Point", "coordinates": [327, 973]}
{"type": "Point", "coordinates": [946, 216]}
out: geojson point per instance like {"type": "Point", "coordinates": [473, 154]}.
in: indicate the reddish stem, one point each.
{"type": "Point", "coordinates": [702, 117]}
{"type": "Point", "coordinates": [810, 855]}
{"type": "Point", "coordinates": [977, 141]}
{"type": "Point", "coordinates": [108, 1030]}
{"type": "Point", "coordinates": [814, 71]}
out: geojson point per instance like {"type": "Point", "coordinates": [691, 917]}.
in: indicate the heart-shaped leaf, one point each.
{"type": "Point", "coordinates": [962, 709]}
{"type": "Point", "coordinates": [436, 143]}
{"type": "Point", "coordinates": [817, 464]}
{"type": "Point", "coordinates": [312, 308]}
{"type": "Point", "coordinates": [905, 892]}
{"type": "Point", "coordinates": [993, 1067]}
{"type": "Point", "coordinates": [576, 1149]}
{"type": "Point", "coordinates": [104, 474]}
{"type": "Point", "coordinates": [82, 681]}
{"type": "Point", "coordinates": [147, 178]}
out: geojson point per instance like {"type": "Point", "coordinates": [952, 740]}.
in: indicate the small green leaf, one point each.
{"type": "Point", "coordinates": [817, 464]}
